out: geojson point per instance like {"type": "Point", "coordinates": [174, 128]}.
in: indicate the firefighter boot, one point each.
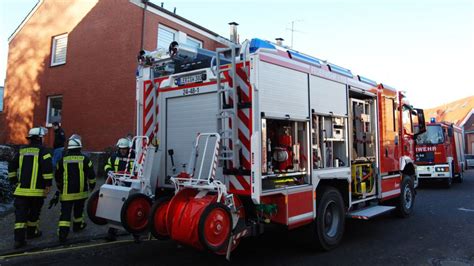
{"type": "Point", "coordinates": [111, 234]}
{"type": "Point", "coordinates": [19, 244]}
{"type": "Point", "coordinates": [32, 231]}
{"type": "Point", "coordinates": [35, 234]}
{"type": "Point", "coordinates": [77, 227]}
{"type": "Point", "coordinates": [62, 233]}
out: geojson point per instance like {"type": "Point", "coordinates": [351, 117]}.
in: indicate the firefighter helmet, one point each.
{"type": "Point", "coordinates": [123, 143]}
{"type": "Point", "coordinates": [74, 142]}
{"type": "Point", "coordinates": [37, 132]}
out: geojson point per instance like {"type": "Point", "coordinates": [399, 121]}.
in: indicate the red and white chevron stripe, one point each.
{"type": "Point", "coordinates": [240, 184]}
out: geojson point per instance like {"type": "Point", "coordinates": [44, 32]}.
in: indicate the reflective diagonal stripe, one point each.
{"type": "Point", "coordinates": [46, 156]}
{"type": "Point", "coordinates": [20, 225]}
{"type": "Point", "coordinates": [64, 224]}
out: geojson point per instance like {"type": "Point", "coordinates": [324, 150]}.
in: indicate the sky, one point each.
{"type": "Point", "coordinates": [423, 47]}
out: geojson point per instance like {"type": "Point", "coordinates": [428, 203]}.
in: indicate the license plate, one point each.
{"type": "Point", "coordinates": [190, 79]}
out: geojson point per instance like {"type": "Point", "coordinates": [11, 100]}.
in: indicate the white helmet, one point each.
{"type": "Point", "coordinates": [123, 143]}
{"type": "Point", "coordinates": [37, 131]}
{"type": "Point", "coordinates": [74, 142]}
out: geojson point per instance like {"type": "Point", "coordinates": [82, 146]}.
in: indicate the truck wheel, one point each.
{"type": "Point", "coordinates": [157, 219]}
{"type": "Point", "coordinates": [406, 202]}
{"type": "Point", "coordinates": [215, 227]}
{"type": "Point", "coordinates": [330, 219]}
{"type": "Point", "coordinates": [92, 209]}
{"type": "Point", "coordinates": [135, 212]}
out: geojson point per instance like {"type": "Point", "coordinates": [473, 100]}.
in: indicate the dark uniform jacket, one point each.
{"type": "Point", "coordinates": [74, 176]}
{"type": "Point", "coordinates": [31, 171]}
{"type": "Point", "coordinates": [117, 163]}
{"type": "Point", "coordinates": [59, 138]}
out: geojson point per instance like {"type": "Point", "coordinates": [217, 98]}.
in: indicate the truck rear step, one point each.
{"type": "Point", "coordinates": [369, 212]}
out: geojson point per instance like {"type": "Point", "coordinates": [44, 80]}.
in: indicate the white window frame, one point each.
{"type": "Point", "coordinates": [175, 32]}
{"type": "Point", "coordinates": [53, 50]}
{"type": "Point", "coordinates": [48, 124]}
{"type": "Point", "coordinates": [195, 40]}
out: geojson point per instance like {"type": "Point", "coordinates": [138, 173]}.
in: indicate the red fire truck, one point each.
{"type": "Point", "coordinates": [259, 133]}
{"type": "Point", "coordinates": [440, 154]}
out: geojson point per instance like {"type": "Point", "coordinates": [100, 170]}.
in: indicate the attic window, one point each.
{"type": "Point", "coordinates": [58, 50]}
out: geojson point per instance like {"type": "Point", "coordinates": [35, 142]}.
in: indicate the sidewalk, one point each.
{"type": "Point", "coordinates": [48, 225]}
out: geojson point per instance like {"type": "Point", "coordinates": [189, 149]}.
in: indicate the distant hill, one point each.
{"type": "Point", "coordinates": [454, 112]}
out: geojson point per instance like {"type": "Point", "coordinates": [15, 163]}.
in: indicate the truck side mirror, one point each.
{"type": "Point", "coordinates": [421, 128]}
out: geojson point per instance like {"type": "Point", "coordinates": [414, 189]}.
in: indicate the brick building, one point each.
{"type": "Point", "coordinates": [75, 62]}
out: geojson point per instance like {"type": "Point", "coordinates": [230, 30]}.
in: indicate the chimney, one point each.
{"type": "Point", "coordinates": [279, 41]}
{"type": "Point", "coordinates": [233, 32]}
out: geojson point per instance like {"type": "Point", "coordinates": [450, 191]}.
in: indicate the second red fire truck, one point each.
{"type": "Point", "coordinates": [259, 133]}
{"type": "Point", "coordinates": [440, 154]}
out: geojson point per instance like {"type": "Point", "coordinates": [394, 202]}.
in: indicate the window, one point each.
{"type": "Point", "coordinates": [55, 106]}
{"type": "Point", "coordinates": [389, 115]}
{"type": "Point", "coordinates": [406, 119]}
{"type": "Point", "coordinates": [1, 98]}
{"type": "Point", "coordinates": [58, 50]}
{"type": "Point", "coordinates": [193, 42]}
{"type": "Point", "coordinates": [166, 36]}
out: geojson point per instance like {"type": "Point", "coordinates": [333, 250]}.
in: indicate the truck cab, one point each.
{"type": "Point", "coordinates": [439, 153]}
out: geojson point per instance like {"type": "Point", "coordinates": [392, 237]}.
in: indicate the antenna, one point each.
{"type": "Point", "coordinates": [292, 29]}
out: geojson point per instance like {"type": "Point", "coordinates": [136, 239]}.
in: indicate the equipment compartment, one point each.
{"type": "Point", "coordinates": [284, 153]}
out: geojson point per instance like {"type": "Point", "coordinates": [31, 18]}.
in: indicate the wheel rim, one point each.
{"type": "Point", "coordinates": [217, 227]}
{"type": "Point", "coordinates": [159, 219]}
{"type": "Point", "coordinates": [331, 219]}
{"type": "Point", "coordinates": [137, 213]}
{"type": "Point", "coordinates": [408, 196]}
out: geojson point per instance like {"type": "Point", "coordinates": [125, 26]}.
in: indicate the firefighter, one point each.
{"type": "Point", "coordinates": [32, 173]}
{"type": "Point", "coordinates": [117, 163]}
{"type": "Point", "coordinates": [74, 178]}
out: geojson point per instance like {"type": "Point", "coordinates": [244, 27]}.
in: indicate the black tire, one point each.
{"type": "Point", "coordinates": [123, 213]}
{"type": "Point", "coordinates": [406, 201]}
{"type": "Point", "coordinates": [151, 218]}
{"type": "Point", "coordinates": [201, 230]}
{"type": "Point", "coordinates": [91, 209]}
{"type": "Point", "coordinates": [330, 219]}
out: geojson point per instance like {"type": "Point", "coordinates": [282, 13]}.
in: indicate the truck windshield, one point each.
{"type": "Point", "coordinates": [433, 135]}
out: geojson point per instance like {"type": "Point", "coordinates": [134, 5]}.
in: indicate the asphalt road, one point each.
{"type": "Point", "coordinates": [441, 232]}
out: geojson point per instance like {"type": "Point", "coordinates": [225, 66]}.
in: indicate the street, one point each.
{"type": "Point", "coordinates": [441, 232]}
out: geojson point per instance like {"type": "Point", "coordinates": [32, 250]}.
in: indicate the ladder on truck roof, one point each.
{"type": "Point", "coordinates": [228, 110]}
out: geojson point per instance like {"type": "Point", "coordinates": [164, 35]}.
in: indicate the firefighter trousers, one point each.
{"type": "Point", "coordinates": [27, 213]}
{"type": "Point", "coordinates": [67, 207]}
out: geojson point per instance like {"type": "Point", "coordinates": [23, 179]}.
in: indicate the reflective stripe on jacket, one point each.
{"type": "Point", "coordinates": [31, 171]}
{"type": "Point", "coordinates": [74, 175]}
{"type": "Point", "coordinates": [117, 163]}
